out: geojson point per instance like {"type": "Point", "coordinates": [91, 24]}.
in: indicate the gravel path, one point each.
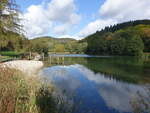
{"type": "Point", "coordinates": [26, 66]}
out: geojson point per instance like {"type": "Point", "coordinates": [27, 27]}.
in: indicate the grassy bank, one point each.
{"type": "Point", "coordinates": [10, 53]}
{"type": "Point", "coordinates": [20, 94]}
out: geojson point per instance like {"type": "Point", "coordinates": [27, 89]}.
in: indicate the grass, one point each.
{"type": "Point", "coordinates": [10, 53]}
{"type": "Point", "coordinates": [20, 94]}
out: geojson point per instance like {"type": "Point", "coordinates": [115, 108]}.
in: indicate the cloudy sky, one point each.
{"type": "Point", "coordinates": [78, 18]}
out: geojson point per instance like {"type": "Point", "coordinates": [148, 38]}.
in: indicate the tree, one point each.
{"type": "Point", "coordinates": [81, 47]}
{"type": "Point", "coordinates": [134, 46]}
{"type": "Point", "coordinates": [146, 39]}
{"type": "Point", "coordinates": [93, 45]}
{"type": "Point", "coordinates": [10, 41]}
{"type": "Point", "coordinates": [10, 37]}
{"type": "Point", "coordinates": [9, 16]}
{"type": "Point", "coordinates": [126, 41]}
{"type": "Point", "coordinates": [59, 48]}
{"type": "Point", "coordinates": [117, 46]}
{"type": "Point", "coordinates": [38, 47]}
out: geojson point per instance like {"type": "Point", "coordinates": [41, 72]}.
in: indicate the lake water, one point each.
{"type": "Point", "coordinates": [101, 84]}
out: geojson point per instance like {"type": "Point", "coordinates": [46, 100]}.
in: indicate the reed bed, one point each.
{"type": "Point", "coordinates": [24, 94]}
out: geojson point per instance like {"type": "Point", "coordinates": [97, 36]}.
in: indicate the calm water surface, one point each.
{"type": "Point", "coordinates": [101, 84]}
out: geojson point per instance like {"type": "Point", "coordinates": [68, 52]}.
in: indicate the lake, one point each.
{"type": "Point", "coordinates": [93, 84]}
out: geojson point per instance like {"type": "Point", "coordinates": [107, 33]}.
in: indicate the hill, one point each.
{"type": "Point", "coordinates": [52, 39]}
{"type": "Point", "coordinates": [67, 45]}
{"type": "Point", "coordinates": [124, 39]}
{"type": "Point", "coordinates": [129, 38]}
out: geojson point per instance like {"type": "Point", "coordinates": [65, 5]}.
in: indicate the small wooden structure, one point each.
{"type": "Point", "coordinates": [55, 59]}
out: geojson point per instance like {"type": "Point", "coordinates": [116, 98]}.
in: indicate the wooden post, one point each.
{"type": "Point", "coordinates": [43, 56]}
{"type": "Point", "coordinates": [30, 55]}
{"type": "Point", "coordinates": [58, 59]}
{"type": "Point", "coordinates": [63, 60]}
{"type": "Point", "coordinates": [50, 59]}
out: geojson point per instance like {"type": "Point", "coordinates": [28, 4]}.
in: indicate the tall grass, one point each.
{"type": "Point", "coordinates": [20, 94]}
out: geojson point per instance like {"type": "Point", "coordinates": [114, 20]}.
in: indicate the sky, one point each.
{"type": "Point", "coordinates": [77, 18]}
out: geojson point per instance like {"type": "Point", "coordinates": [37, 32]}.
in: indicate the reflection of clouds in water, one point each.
{"type": "Point", "coordinates": [64, 81]}
{"type": "Point", "coordinates": [62, 78]}
{"type": "Point", "coordinates": [117, 95]}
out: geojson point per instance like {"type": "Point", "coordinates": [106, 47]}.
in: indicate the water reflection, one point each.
{"type": "Point", "coordinates": [61, 76]}
{"type": "Point", "coordinates": [129, 69]}
{"type": "Point", "coordinates": [94, 92]}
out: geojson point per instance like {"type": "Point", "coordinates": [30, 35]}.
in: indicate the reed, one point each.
{"type": "Point", "coordinates": [21, 94]}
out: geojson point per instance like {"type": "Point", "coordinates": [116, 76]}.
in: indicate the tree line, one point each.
{"type": "Point", "coordinates": [129, 39]}
{"type": "Point", "coordinates": [123, 26]}
{"type": "Point", "coordinates": [55, 45]}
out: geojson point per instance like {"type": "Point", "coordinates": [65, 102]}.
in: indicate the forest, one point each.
{"type": "Point", "coordinates": [133, 40]}
{"type": "Point", "coordinates": [125, 39]}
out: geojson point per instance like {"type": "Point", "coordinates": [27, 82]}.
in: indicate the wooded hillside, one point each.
{"type": "Point", "coordinates": [129, 38]}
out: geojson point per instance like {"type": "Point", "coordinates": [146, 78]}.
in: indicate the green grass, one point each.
{"type": "Point", "coordinates": [10, 53]}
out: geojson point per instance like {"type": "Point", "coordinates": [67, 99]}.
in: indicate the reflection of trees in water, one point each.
{"type": "Point", "coordinates": [125, 69]}
{"type": "Point", "coordinates": [128, 69]}
{"type": "Point", "coordinates": [142, 104]}
{"type": "Point", "coordinates": [53, 101]}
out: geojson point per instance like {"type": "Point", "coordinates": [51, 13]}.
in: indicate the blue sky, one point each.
{"type": "Point", "coordinates": [78, 18]}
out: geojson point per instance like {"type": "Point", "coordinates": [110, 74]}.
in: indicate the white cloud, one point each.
{"type": "Point", "coordinates": [59, 17]}
{"type": "Point", "coordinates": [118, 11]}
{"type": "Point", "coordinates": [125, 10]}
{"type": "Point", "coordinates": [35, 21]}
{"type": "Point", "coordinates": [58, 14]}
{"type": "Point", "coordinates": [70, 36]}
{"type": "Point", "coordinates": [60, 29]}
{"type": "Point", "coordinates": [63, 11]}
{"type": "Point", "coordinates": [112, 91]}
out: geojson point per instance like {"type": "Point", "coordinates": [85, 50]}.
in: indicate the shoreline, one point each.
{"type": "Point", "coordinates": [22, 90]}
{"type": "Point", "coordinates": [28, 67]}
